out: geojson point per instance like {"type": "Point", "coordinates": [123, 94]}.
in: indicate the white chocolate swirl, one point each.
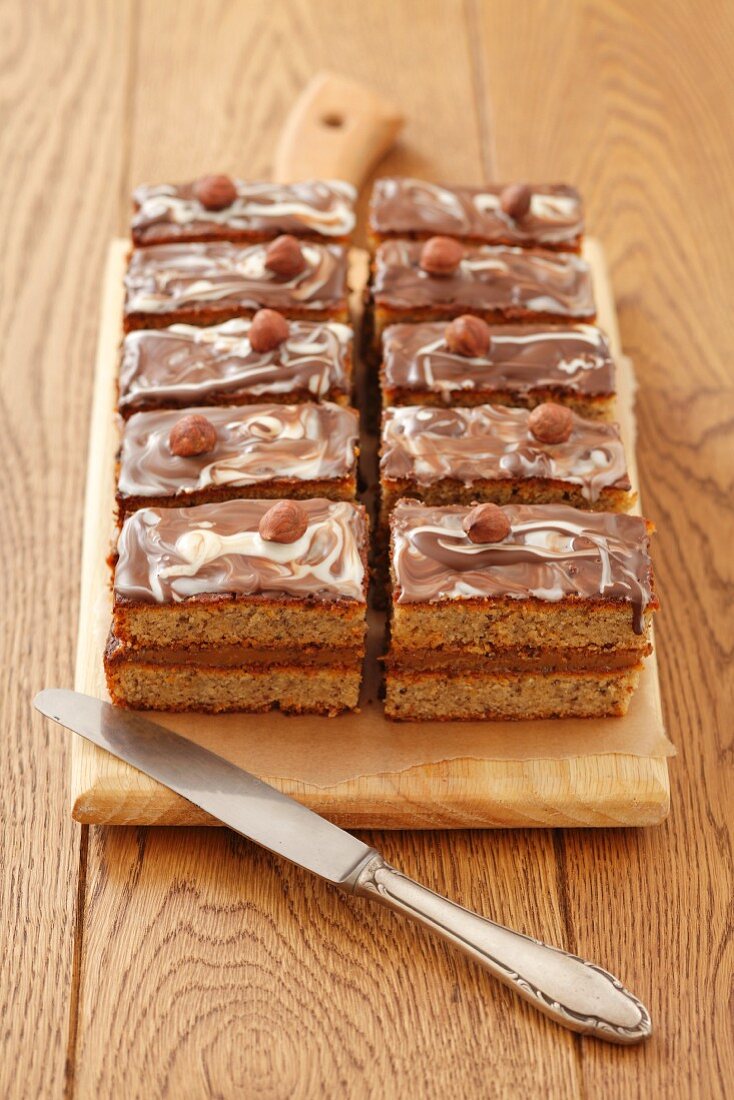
{"type": "Point", "coordinates": [170, 277]}
{"type": "Point", "coordinates": [552, 552]}
{"type": "Point", "coordinates": [512, 282]}
{"type": "Point", "coordinates": [316, 207]}
{"type": "Point", "coordinates": [411, 207]}
{"type": "Point", "coordinates": [255, 444]}
{"type": "Point", "coordinates": [172, 554]}
{"type": "Point", "coordinates": [184, 364]}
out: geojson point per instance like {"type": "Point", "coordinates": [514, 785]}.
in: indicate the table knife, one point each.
{"type": "Point", "coordinates": [577, 994]}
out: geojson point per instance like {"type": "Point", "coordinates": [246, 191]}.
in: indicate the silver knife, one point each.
{"type": "Point", "coordinates": [574, 993]}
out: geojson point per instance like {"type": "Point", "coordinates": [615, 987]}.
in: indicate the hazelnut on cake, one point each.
{"type": "Point", "coordinates": [547, 455]}
{"type": "Point", "coordinates": [523, 611]}
{"type": "Point", "coordinates": [202, 455]}
{"type": "Point", "coordinates": [441, 278]}
{"type": "Point", "coordinates": [467, 362]}
{"type": "Point", "coordinates": [203, 284]}
{"type": "Point", "coordinates": [545, 215]}
{"type": "Point", "coordinates": [242, 605]}
{"type": "Point", "coordinates": [219, 208]}
{"type": "Point", "coordinates": [240, 362]}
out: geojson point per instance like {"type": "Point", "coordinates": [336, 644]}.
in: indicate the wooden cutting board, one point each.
{"type": "Point", "coordinates": [588, 788]}
{"type": "Point", "coordinates": [359, 769]}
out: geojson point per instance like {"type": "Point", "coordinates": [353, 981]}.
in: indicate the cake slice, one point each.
{"type": "Point", "coordinates": [525, 611]}
{"type": "Point", "coordinates": [440, 279]}
{"type": "Point", "coordinates": [202, 455]}
{"type": "Point", "coordinates": [546, 215]}
{"type": "Point", "coordinates": [183, 365]}
{"type": "Point", "coordinates": [242, 605]}
{"type": "Point", "coordinates": [219, 208]}
{"type": "Point", "coordinates": [504, 455]}
{"type": "Point", "coordinates": [203, 284]}
{"type": "Point", "coordinates": [468, 363]}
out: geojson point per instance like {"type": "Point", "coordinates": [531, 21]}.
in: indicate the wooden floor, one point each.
{"type": "Point", "coordinates": [186, 963]}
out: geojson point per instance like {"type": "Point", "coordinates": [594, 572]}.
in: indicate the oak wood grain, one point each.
{"type": "Point", "coordinates": [645, 131]}
{"type": "Point", "coordinates": [208, 968]}
{"type": "Point", "coordinates": [62, 80]}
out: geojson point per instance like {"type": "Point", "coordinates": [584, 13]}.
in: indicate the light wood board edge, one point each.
{"type": "Point", "coordinates": [588, 791]}
{"type": "Point", "coordinates": [337, 128]}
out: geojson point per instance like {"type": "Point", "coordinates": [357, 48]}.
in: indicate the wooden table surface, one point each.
{"type": "Point", "coordinates": [185, 962]}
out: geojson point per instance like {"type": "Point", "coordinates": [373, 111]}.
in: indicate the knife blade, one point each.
{"type": "Point", "coordinates": [575, 993]}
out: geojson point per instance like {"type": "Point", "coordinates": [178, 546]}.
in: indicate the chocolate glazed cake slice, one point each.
{"type": "Point", "coordinates": [203, 284]}
{"type": "Point", "coordinates": [440, 279]}
{"type": "Point", "coordinates": [214, 208]}
{"type": "Point", "coordinates": [467, 362]}
{"type": "Point", "coordinates": [184, 365]}
{"type": "Point", "coordinates": [547, 455]}
{"type": "Point", "coordinates": [517, 612]}
{"type": "Point", "coordinates": [243, 605]}
{"type": "Point", "coordinates": [548, 215]}
{"type": "Point", "coordinates": [202, 455]}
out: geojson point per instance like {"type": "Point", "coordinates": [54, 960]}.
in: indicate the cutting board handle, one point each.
{"type": "Point", "coordinates": [337, 129]}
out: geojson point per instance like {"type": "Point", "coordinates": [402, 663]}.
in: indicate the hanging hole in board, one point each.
{"type": "Point", "coordinates": [334, 120]}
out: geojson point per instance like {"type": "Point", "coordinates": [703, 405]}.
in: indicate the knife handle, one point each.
{"type": "Point", "coordinates": [574, 993]}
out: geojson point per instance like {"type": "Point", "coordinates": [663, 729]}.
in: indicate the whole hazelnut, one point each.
{"type": "Point", "coordinates": [215, 192]}
{"type": "Point", "coordinates": [284, 257]}
{"type": "Point", "coordinates": [468, 335]}
{"type": "Point", "coordinates": [515, 200]}
{"type": "Point", "coordinates": [286, 521]}
{"type": "Point", "coordinates": [441, 255]}
{"type": "Point", "coordinates": [268, 330]}
{"type": "Point", "coordinates": [192, 435]}
{"type": "Point", "coordinates": [486, 523]}
{"type": "Point", "coordinates": [551, 423]}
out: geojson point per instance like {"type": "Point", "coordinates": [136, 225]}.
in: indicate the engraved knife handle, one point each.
{"type": "Point", "coordinates": [574, 993]}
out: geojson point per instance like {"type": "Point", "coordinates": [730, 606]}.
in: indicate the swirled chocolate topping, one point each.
{"type": "Point", "coordinates": [255, 443]}
{"type": "Point", "coordinates": [186, 365]}
{"type": "Point", "coordinates": [416, 208]}
{"type": "Point", "coordinates": [513, 283]}
{"type": "Point", "coordinates": [172, 554]}
{"type": "Point", "coordinates": [169, 212]}
{"type": "Point", "coordinates": [493, 442]}
{"type": "Point", "coordinates": [552, 552]}
{"type": "Point", "coordinates": [521, 358]}
{"type": "Point", "coordinates": [168, 278]}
